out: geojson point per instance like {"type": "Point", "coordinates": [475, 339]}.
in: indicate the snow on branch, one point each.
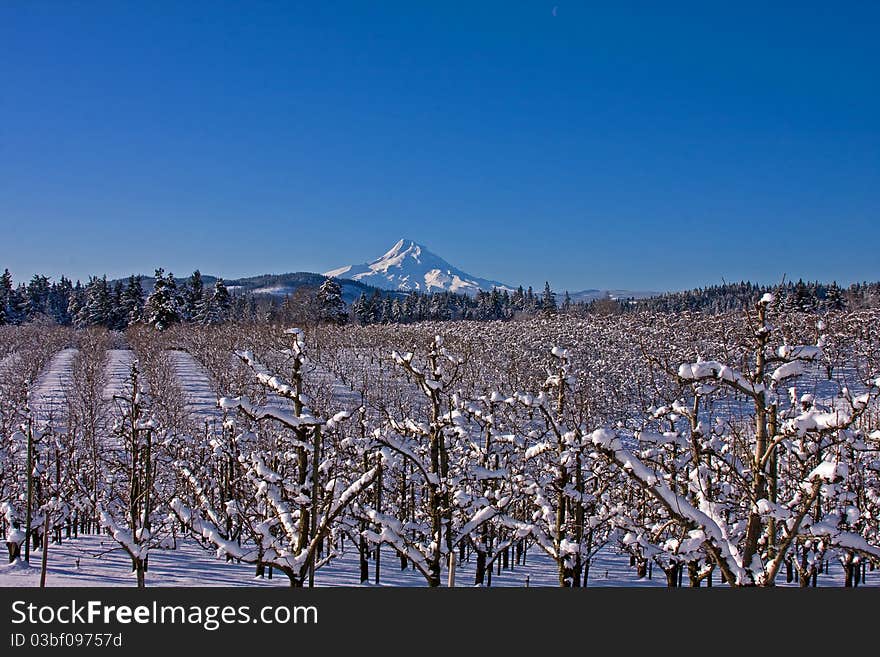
{"type": "Point", "coordinates": [122, 536]}
{"type": "Point", "coordinates": [259, 413]}
{"type": "Point", "coordinates": [608, 442]}
{"type": "Point", "coordinates": [713, 370]}
{"type": "Point", "coordinates": [209, 531]}
{"type": "Point", "coordinates": [843, 539]}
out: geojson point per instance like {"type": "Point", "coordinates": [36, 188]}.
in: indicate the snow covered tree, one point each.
{"type": "Point", "coordinates": [191, 297]}
{"type": "Point", "coordinates": [128, 508]}
{"type": "Point", "coordinates": [572, 516]}
{"type": "Point", "coordinates": [433, 445]}
{"type": "Point", "coordinates": [15, 308]}
{"type": "Point", "coordinates": [566, 303]}
{"type": "Point", "coordinates": [548, 300]}
{"type": "Point", "coordinates": [360, 309]}
{"type": "Point", "coordinates": [330, 303]}
{"type": "Point", "coordinates": [215, 307]}
{"type": "Point", "coordinates": [439, 308]}
{"type": "Point", "coordinates": [59, 301]}
{"type": "Point", "coordinates": [37, 296]}
{"type": "Point", "coordinates": [834, 299]}
{"type": "Point", "coordinates": [132, 301]}
{"type": "Point", "coordinates": [97, 309]}
{"type": "Point", "coordinates": [87, 414]}
{"type": "Point", "coordinates": [76, 301]}
{"type": "Point", "coordinates": [5, 296]}
{"type": "Point", "coordinates": [163, 306]}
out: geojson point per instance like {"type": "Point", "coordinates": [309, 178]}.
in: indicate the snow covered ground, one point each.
{"type": "Point", "coordinates": [117, 371]}
{"type": "Point", "coordinates": [102, 563]}
{"type": "Point", "coordinates": [195, 382]}
{"type": "Point", "coordinates": [48, 398]}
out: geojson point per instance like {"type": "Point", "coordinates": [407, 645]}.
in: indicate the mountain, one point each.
{"type": "Point", "coordinates": [409, 266]}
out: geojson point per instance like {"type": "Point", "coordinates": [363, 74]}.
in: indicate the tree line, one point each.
{"type": "Point", "coordinates": [119, 304]}
{"type": "Point", "coordinates": [114, 305]}
{"type": "Point", "coordinates": [797, 296]}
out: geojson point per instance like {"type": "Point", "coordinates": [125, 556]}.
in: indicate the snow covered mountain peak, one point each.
{"type": "Point", "coordinates": [398, 254]}
{"type": "Point", "coordinates": [409, 266]}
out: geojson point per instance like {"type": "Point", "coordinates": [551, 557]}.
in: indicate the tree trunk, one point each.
{"type": "Point", "coordinates": [362, 552]}
{"type": "Point", "coordinates": [694, 574]}
{"type": "Point", "coordinates": [849, 569]}
{"type": "Point", "coordinates": [139, 569]}
{"type": "Point", "coordinates": [45, 556]}
{"type": "Point", "coordinates": [30, 490]}
{"type": "Point", "coordinates": [14, 550]}
{"type": "Point", "coordinates": [480, 573]}
{"type": "Point", "coordinates": [672, 575]}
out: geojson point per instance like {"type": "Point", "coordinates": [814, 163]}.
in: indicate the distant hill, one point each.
{"type": "Point", "coordinates": [277, 284]}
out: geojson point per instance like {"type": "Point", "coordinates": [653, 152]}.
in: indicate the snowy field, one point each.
{"type": "Point", "coordinates": [98, 561]}
{"type": "Point", "coordinates": [49, 395]}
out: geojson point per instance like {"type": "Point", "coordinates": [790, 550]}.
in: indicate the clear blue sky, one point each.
{"type": "Point", "coordinates": [640, 145]}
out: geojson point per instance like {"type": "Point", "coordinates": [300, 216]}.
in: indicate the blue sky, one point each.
{"type": "Point", "coordinates": [636, 145]}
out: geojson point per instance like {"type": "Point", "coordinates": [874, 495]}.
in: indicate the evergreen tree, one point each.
{"type": "Point", "coordinates": [59, 301]}
{"type": "Point", "coordinates": [75, 303]}
{"type": "Point", "coordinates": [331, 307]}
{"type": "Point", "coordinates": [439, 309]}
{"type": "Point", "coordinates": [566, 303]}
{"type": "Point", "coordinates": [530, 303]}
{"type": "Point", "coordinates": [834, 299]}
{"type": "Point", "coordinates": [548, 300]}
{"type": "Point", "coordinates": [163, 307]}
{"type": "Point", "coordinates": [410, 307]}
{"type": "Point", "coordinates": [396, 311]}
{"type": "Point", "coordinates": [360, 309]}
{"type": "Point", "coordinates": [483, 308]}
{"type": "Point", "coordinates": [37, 302]}
{"type": "Point", "coordinates": [132, 301]}
{"type": "Point", "coordinates": [16, 305]}
{"type": "Point", "coordinates": [118, 320]}
{"type": "Point", "coordinates": [97, 310]}
{"type": "Point", "coordinates": [374, 309]}
{"type": "Point", "coordinates": [496, 304]}
{"type": "Point", "coordinates": [218, 305]}
{"type": "Point", "coordinates": [240, 307]}
{"type": "Point", "coordinates": [192, 297]}
{"type": "Point", "coordinates": [800, 298]}
{"type": "Point", "coordinates": [506, 312]}
{"type": "Point", "coordinates": [518, 300]}
{"type": "Point", "coordinates": [385, 311]}
{"type": "Point", "coordinates": [5, 296]}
